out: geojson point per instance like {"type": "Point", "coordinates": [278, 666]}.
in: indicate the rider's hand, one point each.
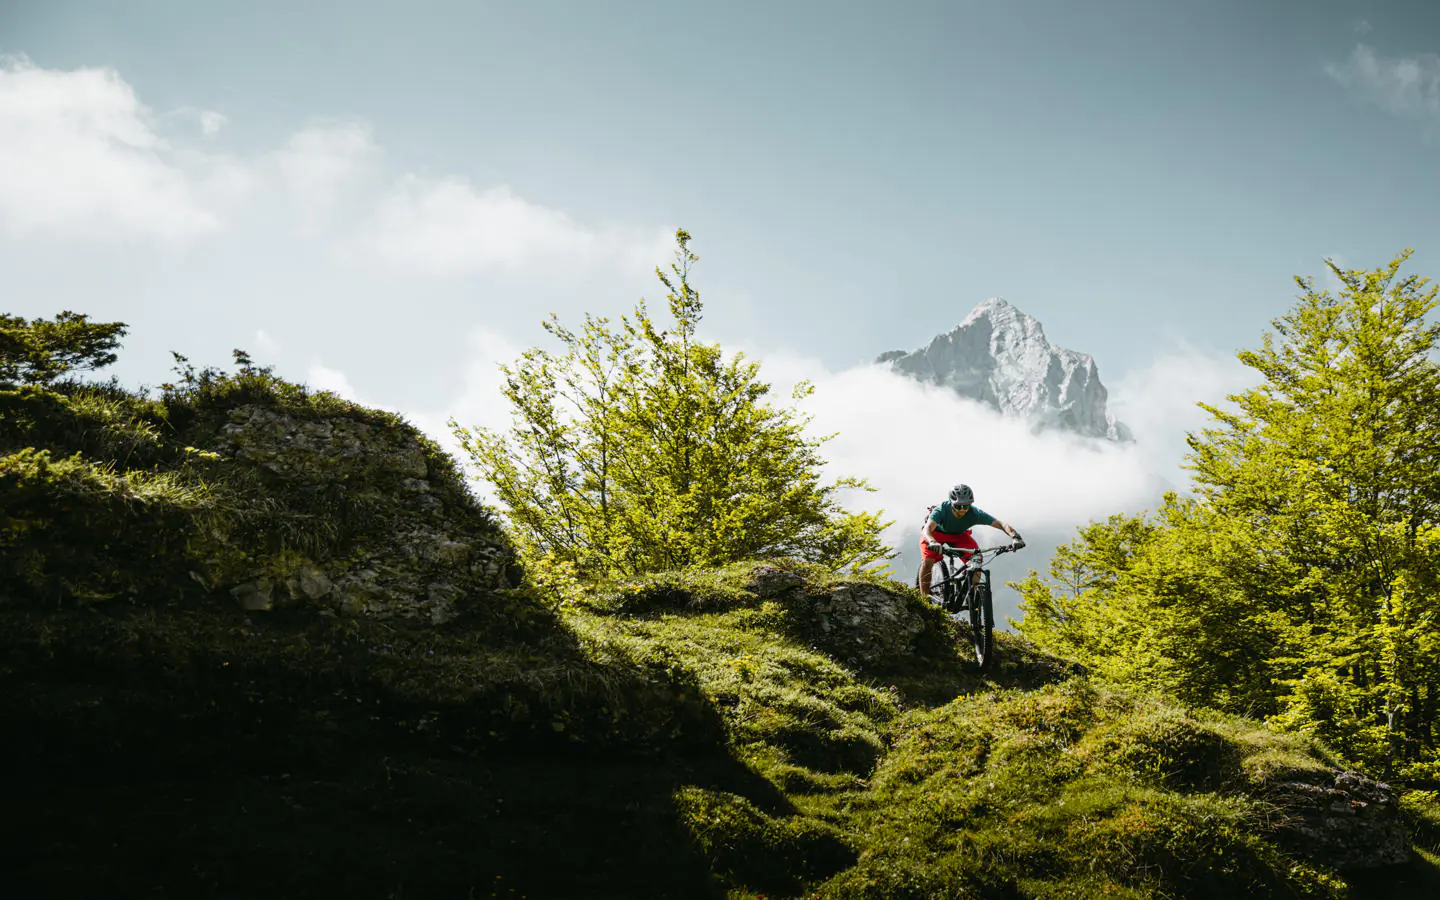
{"type": "Point", "coordinates": [934, 546]}
{"type": "Point", "coordinates": [1017, 541]}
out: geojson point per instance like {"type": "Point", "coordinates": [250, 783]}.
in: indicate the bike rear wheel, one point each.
{"type": "Point", "coordinates": [982, 624]}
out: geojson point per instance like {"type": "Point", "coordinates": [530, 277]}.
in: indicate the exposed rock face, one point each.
{"type": "Point", "coordinates": [863, 625]}
{"type": "Point", "coordinates": [769, 581]}
{"type": "Point", "coordinates": [417, 550]}
{"type": "Point", "coordinates": [1342, 819]}
{"type": "Point", "coordinates": [867, 626]}
{"type": "Point", "coordinates": [1000, 357]}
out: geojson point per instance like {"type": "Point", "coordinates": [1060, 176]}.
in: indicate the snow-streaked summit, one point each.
{"type": "Point", "coordinates": [1000, 357]}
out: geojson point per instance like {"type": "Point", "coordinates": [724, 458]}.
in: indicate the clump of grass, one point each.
{"type": "Point", "coordinates": [773, 854]}
{"type": "Point", "coordinates": [75, 531]}
{"type": "Point", "coordinates": [786, 770]}
{"type": "Point", "coordinates": [805, 707]}
{"type": "Point", "coordinates": [1421, 811]}
{"type": "Point", "coordinates": [1035, 794]}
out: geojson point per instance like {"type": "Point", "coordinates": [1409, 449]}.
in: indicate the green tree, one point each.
{"type": "Point", "coordinates": [1300, 581]}
{"type": "Point", "coordinates": [39, 351]}
{"type": "Point", "coordinates": [1334, 460]}
{"type": "Point", "coordinates": [637, 449]}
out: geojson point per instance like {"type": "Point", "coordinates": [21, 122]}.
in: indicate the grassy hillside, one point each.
{"type": "Point", "coordinates": [698, 734]}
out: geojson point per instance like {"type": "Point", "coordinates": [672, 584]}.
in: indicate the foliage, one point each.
{"type": "Point", "coordinates": [638, 449]}
{"type": "Point", "coordinates": [39, 351]}
{"type": "Point", "coordinates": [1075, 790]}
{"type": "Point", "coordinates": [75, 531]}
{"type": "Point", "coordinates": [110, 494]}
{"type": "Point", "coordinates": [704, 744]}
{"type": "Point", "coordinates": [1301, 582]}
{"type": "Point", "coordinates": [686, 725]}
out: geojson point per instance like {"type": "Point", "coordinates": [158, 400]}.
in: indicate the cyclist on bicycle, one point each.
{"type": "Point", "coordinates": [950, 523]}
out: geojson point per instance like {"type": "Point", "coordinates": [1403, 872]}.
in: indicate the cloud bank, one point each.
{"type": "Point", "coordinates": [447, 227]}
{"type": "Point", "coordinates": [1406, 86]}
{"type": "Point", "coordinates": [82, 157]}
{"type": "Point", "coordinates": [911, 442]}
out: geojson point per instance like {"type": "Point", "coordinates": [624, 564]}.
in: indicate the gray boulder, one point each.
{"type": "Point", "coordinates": [1342, 819]}
{"type": "Point", "coordinates": [412, 545]}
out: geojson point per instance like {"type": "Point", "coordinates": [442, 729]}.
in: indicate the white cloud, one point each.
{"type": "Point", "coordinates": [81, 156]}
{"type": "Point", "coordinates": [211, 122]}
{"type": "Point", "coordinates": [322, 163]}
{"type": "Point", "coordinates": [446, 227]}
{"type": "Point", "coordinates": [208, 121]}
{"type": "Point", "coordinates": [912, 442]}
{"type": "Point", "coordinates": [266, 344]}
{"type": "Point", "coordinates": [1407, 86]}
{"type": "Point", "coordinates": [478, 402]}
{"type": "Point", "coordinates": [1362, 27]}
{"type": "Point", "coordinates": [323, 378]}
{"type": "Point", "coordinates": [1159, 401]}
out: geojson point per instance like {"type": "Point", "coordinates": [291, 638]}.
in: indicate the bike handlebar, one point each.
{"type": "Point", "coordinates": [952, 550]}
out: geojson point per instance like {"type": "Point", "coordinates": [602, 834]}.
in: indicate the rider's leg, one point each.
{"type": "Point", "coordinates": [927, 562]}
{"type": "Point", "coordinates": [966, 541]}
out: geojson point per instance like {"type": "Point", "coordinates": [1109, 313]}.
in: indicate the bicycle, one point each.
{"type": "Point", "coordinates": [958, 591]}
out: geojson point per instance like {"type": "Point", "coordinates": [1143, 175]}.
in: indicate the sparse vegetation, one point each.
{"type": "Point", "coordinates": [1300, 585]}
{"type": "Point", "coordinates": [728, 730]}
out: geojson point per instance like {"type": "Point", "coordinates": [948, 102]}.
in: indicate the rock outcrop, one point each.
{"type": "Point", "coordinates": [416, 547]}
{"type": "Point", "coordinates": [1342, 819]}
{"type": "Point", "coordinates": [861, 624]}
{"type": "Point", "coordinates": [1000, 357]}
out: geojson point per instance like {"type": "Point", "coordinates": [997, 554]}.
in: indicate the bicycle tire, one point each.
{"type": "Point", "coordinates": [982, 624]}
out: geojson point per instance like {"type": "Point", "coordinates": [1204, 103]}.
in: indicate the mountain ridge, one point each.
{"type": "Point", "coordinates": [1000, 356]}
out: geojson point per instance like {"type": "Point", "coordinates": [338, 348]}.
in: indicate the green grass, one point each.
{"type": "Point", "coordinates": [677, 735]}
{"type": "Point", "coordinates": [1072, 790]}
{"type": "Point", "coordinates": [761, 766]}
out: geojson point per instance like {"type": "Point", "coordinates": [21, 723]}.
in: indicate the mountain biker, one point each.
{"type": "Point", "coordinates": [950, 523]}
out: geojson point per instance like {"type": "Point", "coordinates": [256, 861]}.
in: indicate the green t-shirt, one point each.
{"type": "Point", "coordinates": [947, 521]}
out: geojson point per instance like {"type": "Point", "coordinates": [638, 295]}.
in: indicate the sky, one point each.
{"type": "Point", "coordinates": [386, 199]}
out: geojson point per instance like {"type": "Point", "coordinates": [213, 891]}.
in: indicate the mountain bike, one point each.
{"type": "Point", "coordinates": [957, 591]}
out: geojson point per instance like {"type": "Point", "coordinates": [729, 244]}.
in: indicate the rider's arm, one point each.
{"type": "Point", "coordinates": [1005, 528]}
{"type": "Point", "coordinates": [928, 532]}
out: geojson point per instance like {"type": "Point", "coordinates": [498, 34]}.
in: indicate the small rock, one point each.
{"type": "Point", "coordinates": [768, 581]}
{"type": "Point", "coordinates": [314, 584]}
{"type": "Point", "coordinates": [254, 595]}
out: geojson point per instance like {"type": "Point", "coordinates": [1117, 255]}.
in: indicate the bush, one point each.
{"type": "Point", "coordinates": [74, 531]}
{"type": "Point", "coordinates": [774, 854]}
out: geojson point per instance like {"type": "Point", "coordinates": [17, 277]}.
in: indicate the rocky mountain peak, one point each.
{"type": "Point", "coordinates": [1000, 356]}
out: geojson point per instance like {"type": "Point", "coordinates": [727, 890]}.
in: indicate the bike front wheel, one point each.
{"type": "Point", "coordinates": [982, 624]}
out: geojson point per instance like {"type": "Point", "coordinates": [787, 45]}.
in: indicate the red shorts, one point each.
{"type": "Point", "coordinates": [963, 540]}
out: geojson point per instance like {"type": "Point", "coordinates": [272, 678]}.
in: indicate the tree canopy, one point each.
{"type": "Point", "coordinates": [39, 351]}
{"type": "Point", "coordinates": [1300, 582]}
{"type": "Point", "coordinates": [636, 448]}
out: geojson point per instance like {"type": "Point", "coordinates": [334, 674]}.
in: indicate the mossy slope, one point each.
{"type": "Point", "coordinates": [683, 735]}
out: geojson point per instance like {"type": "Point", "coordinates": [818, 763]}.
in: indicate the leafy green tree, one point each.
{"type": "Point", "coordinates": [39, 351]}
{"type": "Point", "coordinates": [1300, 581]}
{"type": "Point", "coordinates": [638, 448]}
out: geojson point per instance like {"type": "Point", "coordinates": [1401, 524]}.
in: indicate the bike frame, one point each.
{"type": "Point", "coordinates": [959, 592]}
{"type": "Point", "coordinates": [970, 561]}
